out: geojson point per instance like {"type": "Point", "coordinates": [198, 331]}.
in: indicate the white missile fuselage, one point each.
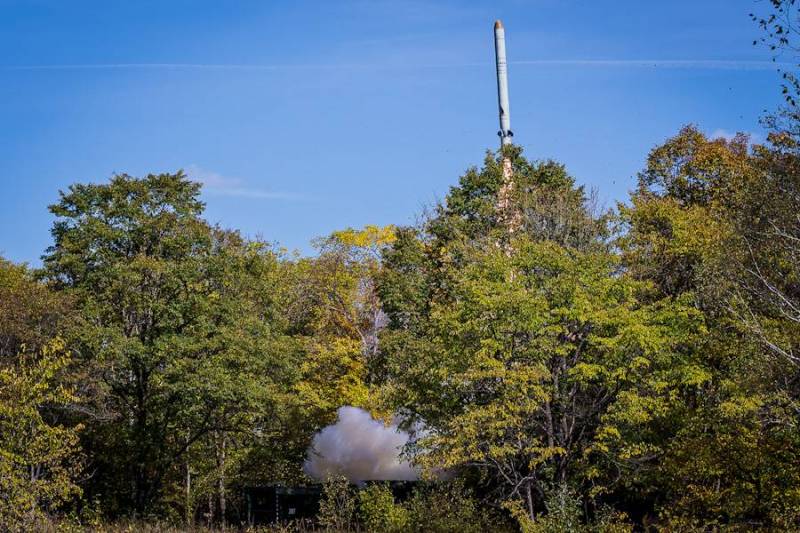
{"type": "Point", "coordinates": [502, 84]}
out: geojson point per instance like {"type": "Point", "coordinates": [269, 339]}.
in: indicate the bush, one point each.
{"type": "Point", "coordinates": [564, 515]}
{"type": "Point", "coordinates": [379, 512]}
{"type": "Point", "coordinates": [447, 507]}
{"type": "Point", "coordinates": [337, 510]}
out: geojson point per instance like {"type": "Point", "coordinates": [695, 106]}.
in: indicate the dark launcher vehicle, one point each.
{"type": "Point", "coordinates": [277, 504]}
{"type": "Point", "coordinates": [274, 504]}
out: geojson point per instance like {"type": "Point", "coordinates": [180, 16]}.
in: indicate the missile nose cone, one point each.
{"type": "Point", "coordinates": [498, 25]}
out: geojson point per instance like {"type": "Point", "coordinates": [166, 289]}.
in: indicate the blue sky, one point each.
{"type": "Point", "coordinates": [303, 117]}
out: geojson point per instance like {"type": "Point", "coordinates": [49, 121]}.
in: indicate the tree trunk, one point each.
{"type": "Point", "coordinates": [140, 487]}
{"type": "Point", "coordinates": [529, 497]}
{"type": "Point", "coordinates": [210, 515]}
{"type": "Point", "coordinates": [221, 443]}
{"type": "Point", "coordinates": [141, 442]}
{"type": "Point", "coordinates": [188, 501]}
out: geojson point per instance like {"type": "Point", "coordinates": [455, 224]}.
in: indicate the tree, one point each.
{"type": "Point", "coordinates": [40, 461]}
{"type": "Point", "coordinates": [342, 317]}
{"type": "Point", "coordinates": [780, 28]}
{"type": "Point", "coordinates": [707, 225]}
{"type": "Point", "coordinates": [550, 207]}
{"type": "Point", "coordinates": [31, 314]}
{"type": "Point", "coordinates": [673, 231]}
{"type": "Point", "coordinates": [515, 358]}
{"type": "Point", "coordinates": [517, 375]}
{"type": "Point", "coordinates": [181, 328]}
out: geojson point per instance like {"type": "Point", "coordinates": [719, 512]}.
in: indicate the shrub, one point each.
{"type": "Point", "coordinates": [337, 510]}
{"type": "Point", "coordinates": [447, 507]}
{"type": "Point", "coordinates": [379, 512]}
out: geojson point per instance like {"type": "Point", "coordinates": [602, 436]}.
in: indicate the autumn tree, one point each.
{"type": "Point", "coordinates": [337, 313]}
{"type": "Point", "coordinates": [40, 457]}
{"type": "Point", "coordinates": [712, 222]}
{"type": "Point", "coordinates": [40, 460]}
{"type": "Point", "coordinates": [515, 358]}
{"type": "Point", "coordinates": [31, 314]}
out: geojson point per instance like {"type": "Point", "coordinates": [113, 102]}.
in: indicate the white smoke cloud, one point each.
{"type": "Point", "coordinates": [359, 448]}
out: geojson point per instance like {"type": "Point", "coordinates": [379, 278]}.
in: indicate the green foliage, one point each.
{"type": "Point", "coordinates": [446, 507]}
{"type": "Point", "coordinates": [564, 514]}
{"type": "Point", "coordinates": [40, 461]}
{"type": "Point", "coordinates": [713, 222]}
{"type": "Point", "coordinates": [379, 512]}
{"type": "Point", "coordinates": [338, 508]}
{"type": "Point", "coordinates": [656, 370]}
{"type": "Point", "coordinates": [340, 315]}
{"type": "Point", "coordinates": [526, 360]}
{"type": "Point", "coordinates": [432, 508]}
{"type": "Point", "coordinates": [558, 365]}
{"type": "Point", "coordinates": [31, 314]}
{"type": "Point", "coordinates": [181, 327]}
{"type": "Point", "coordinates": [549, 204]}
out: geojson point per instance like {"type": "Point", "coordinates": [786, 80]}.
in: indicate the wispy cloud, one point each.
{"type": "Point", "coordinates": [216, 183]}
{"type": "Point", "coordinates": [700, 64]}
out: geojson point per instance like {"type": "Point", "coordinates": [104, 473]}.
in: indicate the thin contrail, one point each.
{"type": "Point", "coordinates": [701, 64]}
{"type": "Point", "coordinates": [209, 66]}
{"type": "Point", "coordinates": [708, 64]}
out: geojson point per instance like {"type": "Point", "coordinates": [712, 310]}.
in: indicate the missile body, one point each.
{"type": "Point", "coordinates": [502, 84]}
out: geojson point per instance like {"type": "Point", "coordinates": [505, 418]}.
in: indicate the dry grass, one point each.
{"type": "Point", "coordinates": [162, 527]}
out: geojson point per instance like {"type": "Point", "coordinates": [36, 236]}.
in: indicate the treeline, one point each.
{"type": "Point", "coordinates": [155, 364]}
{"type": "Point", "coordinates": [571, 368]}
{"type": "Point", "coordinates": [569, 365]}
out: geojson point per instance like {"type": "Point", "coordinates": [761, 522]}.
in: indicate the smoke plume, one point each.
{"type": "Point", "coordinates": [359, 448]}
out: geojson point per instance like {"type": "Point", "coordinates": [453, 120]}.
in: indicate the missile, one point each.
{"type": "Point", "coordinates": [502, 84]}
